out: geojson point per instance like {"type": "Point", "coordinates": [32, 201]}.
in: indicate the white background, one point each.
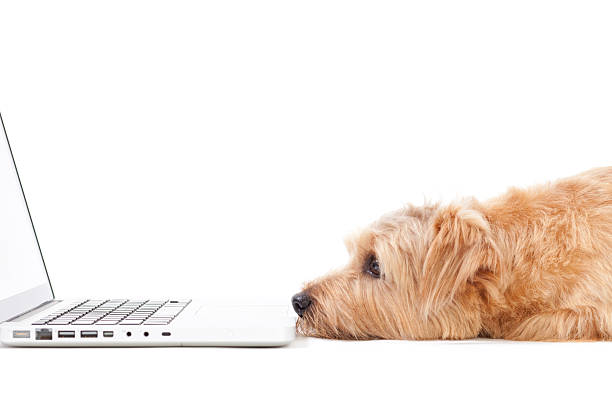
{"type": "Point", "coordinates": [223, 149]}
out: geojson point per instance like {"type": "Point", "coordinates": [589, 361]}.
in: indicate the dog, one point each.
{"type": "Point", "coordinates": [533, 264]}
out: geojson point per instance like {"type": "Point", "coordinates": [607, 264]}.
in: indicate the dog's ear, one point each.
{"type": "Point", "coordinates": [460, 247]}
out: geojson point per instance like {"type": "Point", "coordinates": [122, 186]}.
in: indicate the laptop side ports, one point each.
{"type": "Point", "coordinates": [89, 334]}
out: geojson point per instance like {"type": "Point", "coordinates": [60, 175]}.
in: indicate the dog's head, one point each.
{"type": "Point", "coordinates": [411, 275]}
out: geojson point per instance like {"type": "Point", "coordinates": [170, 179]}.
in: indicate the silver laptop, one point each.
{"type": "Point", "coordinates": [31, 316]}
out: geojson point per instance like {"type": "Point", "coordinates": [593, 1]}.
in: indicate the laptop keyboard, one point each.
{"type": "Point", "coordinates": [116, 312]}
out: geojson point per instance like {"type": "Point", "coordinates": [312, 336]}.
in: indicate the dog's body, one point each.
{"type": "Point", "coordinates": [533, 264]}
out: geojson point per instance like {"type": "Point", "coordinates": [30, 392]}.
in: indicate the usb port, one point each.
{"type": "Point", "coordinates": [89, 333]}
{"type": "Point", "coordinates": [65, 334]}
{"type": "Point", "coordinates": [165, 334]}
{"type": "Point", "coordinates": [44, 334]}
{"type": "Point", "coordinates": [108, 333]}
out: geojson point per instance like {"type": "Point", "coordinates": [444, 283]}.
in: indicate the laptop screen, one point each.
{"type": "Point", "coordinates": [24, 283]}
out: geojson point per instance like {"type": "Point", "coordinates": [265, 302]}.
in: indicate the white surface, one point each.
{"type": "Point", "coordinates": [317, 373]}
{"type": "Point", "coordinates": [223, 149]}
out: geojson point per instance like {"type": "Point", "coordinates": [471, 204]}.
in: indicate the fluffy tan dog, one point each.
{"type": "Point", "coordinates": [533, 264]}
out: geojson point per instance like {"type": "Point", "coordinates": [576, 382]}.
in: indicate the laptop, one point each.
{"type": "Point", "coordinates": [31, 316]}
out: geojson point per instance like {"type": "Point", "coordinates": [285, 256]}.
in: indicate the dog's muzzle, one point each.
{"type": "Point", "coordinates": [301, 302]}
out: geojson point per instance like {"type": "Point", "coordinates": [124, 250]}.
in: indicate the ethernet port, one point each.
{"type": "Point", "coordinates": [44, 334]}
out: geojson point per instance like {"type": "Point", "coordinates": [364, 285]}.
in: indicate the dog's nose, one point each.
{"type": "Point", "coordinates": [301, 302]}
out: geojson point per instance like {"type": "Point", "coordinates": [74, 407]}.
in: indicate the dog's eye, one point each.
{"type": "Point", "coordinates": [372, 267]}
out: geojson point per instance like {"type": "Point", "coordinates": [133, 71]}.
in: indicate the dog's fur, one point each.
{"type": "Point", "coordinates": [533, 264]}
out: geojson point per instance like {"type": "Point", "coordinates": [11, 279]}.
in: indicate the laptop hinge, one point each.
{"type": "Point", "coordinates": [35, 309]}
